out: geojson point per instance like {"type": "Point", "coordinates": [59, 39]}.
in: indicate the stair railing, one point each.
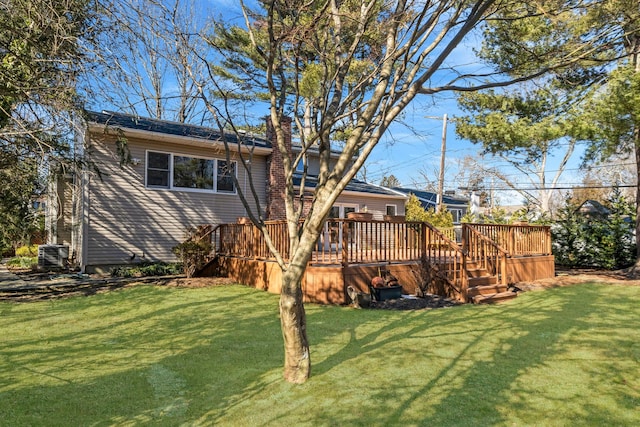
{"type": "Point", "coordinates": [210, 234]}
{"type": "Point", "coordinates": [444, 259]}
{"type": "Point", "coordinates": [485, 253]}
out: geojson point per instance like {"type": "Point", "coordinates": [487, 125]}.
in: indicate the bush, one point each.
{"type": "Point", "coordinates": [23, 262]}
{"type": "Point", "coordinates": [147, 269]}
{"type": "Point", "coordinates": [27, 251]}
{"type": "Point", "coordinates": [193, 255]}
{"type": "Point", "coordinates": [581, 240]}
{"type": "Point", "coordinates": [415, 212]}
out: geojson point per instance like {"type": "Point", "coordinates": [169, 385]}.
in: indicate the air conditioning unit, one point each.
{"type": "Point", "coordinates": [52, 256]}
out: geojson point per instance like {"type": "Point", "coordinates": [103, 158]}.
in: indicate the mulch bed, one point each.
{"type": "Point", "coordinates": [414, 303]}
{"type": "Point", "coordinates": [38, 285]}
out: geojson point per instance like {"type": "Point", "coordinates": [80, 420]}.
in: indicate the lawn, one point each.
{"type": "Point", "coordinates": [212, 356]}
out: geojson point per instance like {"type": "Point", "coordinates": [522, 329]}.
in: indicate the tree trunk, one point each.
{"type": "Point", "coordinates": [635, 53]}
{"type": "Point", "coordinates": [297, 364]}
{"type": "Point", "coordinates": [635, 270]}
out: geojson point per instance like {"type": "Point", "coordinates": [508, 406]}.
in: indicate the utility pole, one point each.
{"type": "Point", "coordinates": [443, 150]}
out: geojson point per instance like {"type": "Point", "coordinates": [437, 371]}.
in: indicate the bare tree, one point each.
{"type": "Point", "coordinates": [537, 189]}
{"type": "Point", "coordinates": [146, 63]}
{"type": "Point", "coordinates": [598, 181]}
{"type": "Point", "coordinates": [348, 67]}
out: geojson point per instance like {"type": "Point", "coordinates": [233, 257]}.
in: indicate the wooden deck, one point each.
{"type": "Point", "coordinates": [351, 252]}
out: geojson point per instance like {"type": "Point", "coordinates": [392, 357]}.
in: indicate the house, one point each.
{"type": "Point", "coordinates": [593, 209]}
{"type": "Point", "coordinates": [174, 176]}
{"type": "Point", "coordinates": [458, 206]}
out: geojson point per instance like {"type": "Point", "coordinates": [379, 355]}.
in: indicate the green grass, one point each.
{"type": "Point", "coordinates": [197, 357]}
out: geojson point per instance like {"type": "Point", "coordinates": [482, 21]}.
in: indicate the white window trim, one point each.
{"type": "Point", "coordinates": [184, 189]}
{"type": "Point", "coordinates": [458, 214]}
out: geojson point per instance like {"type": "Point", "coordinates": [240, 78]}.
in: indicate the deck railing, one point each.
{"type": "Point", "coordinates": [517, 239]}
{"type": "Point", "coordinates": [347, 241]}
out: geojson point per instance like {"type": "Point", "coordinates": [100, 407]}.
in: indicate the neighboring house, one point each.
{"type": "Point", "coordinates": [457, 205]}
{"type": "Point", "coordinates": [177, 177]}
{"type": "Point", "coordinates": [593, 209]}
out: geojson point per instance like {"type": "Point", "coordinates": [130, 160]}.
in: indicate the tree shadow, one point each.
{"type": "Point", "coordinates": [483, 378]}
{"type": "Point", "coordinates": [159, 358]}
{"type": "Point", "coordinates": [488, 387]}
{"type": "Point", "coordinates": [150, 361]}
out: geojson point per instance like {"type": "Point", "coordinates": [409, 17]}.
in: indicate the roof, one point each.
{"type": "Point", "coordinates": [430, 198]}
{"type": "Point", "coordinates": [128, 121]}
{"type": "Point", "coordinates": [593, 207]}
{"type": "Point", "coordinates": [354, 185]}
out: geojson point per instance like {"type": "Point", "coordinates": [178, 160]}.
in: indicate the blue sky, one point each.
{"type": "Point", "coordinates": [411, 153]}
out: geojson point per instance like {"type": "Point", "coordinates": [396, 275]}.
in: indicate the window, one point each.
{"type": "Point", "coordinates": [224, 178]}
{"type": "Point", "coordinates": [191, 172]}
{"type": "Point", "coordinates": [157, 170]}
{"type": "Point", "coordinates": [391, 210]}
{"type": "Point", "coordinates": [457, 215]}
{"type": "Point", "coordinates": [165, 170]}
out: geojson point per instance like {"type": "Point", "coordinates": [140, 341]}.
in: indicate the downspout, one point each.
{"type": "Point", "coordinates": [81, 190]}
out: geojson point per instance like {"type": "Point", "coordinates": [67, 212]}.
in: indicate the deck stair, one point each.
{"type": "Point", "coordinates": [483, 288]}
{"type": "Point", "coordinates": [494, 298]}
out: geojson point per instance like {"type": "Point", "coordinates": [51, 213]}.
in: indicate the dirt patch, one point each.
{"type": "Point", "coordinates": [199, 282]}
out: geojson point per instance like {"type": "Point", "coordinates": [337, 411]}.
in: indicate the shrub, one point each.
{"type": "Point", "coordinates": [147, 269]}
{"type": "Point", "coordinates": [415, 212]}
{"type": "Point", "coordinates": [193, 255]}
{"type": "Point", "coordinates": [581, 240]}
{"type": "Point", "coordinates": [27, 251]}
{"type": "Point", "coordinates": [23, 262]}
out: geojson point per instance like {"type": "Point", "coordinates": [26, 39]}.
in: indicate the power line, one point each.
{"type": "Point", "coordinates": [576, 187]}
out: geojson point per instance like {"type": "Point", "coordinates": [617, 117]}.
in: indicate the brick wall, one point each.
{"type": "Point", "coordinates": [275, 177]}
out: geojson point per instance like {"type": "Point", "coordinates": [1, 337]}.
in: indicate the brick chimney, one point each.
{"type": "Point", "coordinates": [275, 179]}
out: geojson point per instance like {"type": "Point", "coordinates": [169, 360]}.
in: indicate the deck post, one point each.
{"type": "Point", "coordinates": [423, 239]}
{"type": "Point", "coordinates": [549, 247]}
{"type": "Point", "coordinates": [345, 248]}
{"type": "Point", "coordinates": [464, 277]}
{"type": "Point", "coordinates": [255, 239]}
{"type": "Point", "coordinates": [463, 237]}
{"type": "Point", "coordinates": [512, 240]}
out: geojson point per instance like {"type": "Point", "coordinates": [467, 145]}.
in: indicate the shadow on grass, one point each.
{"type": "Point", "coordinates": [150, 356]}
{"type": "Point", "coordinates": [480, 373]}
{"type": "Point", "coordinates": [140, 356]}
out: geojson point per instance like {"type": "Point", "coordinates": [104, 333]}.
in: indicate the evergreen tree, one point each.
{"type": "Point", "coordinates": [603, 240]}
{"type": "Point", "coordinates": [602, 85]}
{"type": "Point", "coordinates": [390, 181]}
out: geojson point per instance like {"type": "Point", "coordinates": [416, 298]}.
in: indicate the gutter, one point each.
{"type": "Point", "coordinates": [99, 128]}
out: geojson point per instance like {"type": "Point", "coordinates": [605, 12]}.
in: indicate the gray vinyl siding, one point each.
{"type": "Point", "coordinates": [375, 205]}
{"type": "Point", "coordinates": [128, 222]}
{"type": "Point", "coordinates": [313, 164]}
